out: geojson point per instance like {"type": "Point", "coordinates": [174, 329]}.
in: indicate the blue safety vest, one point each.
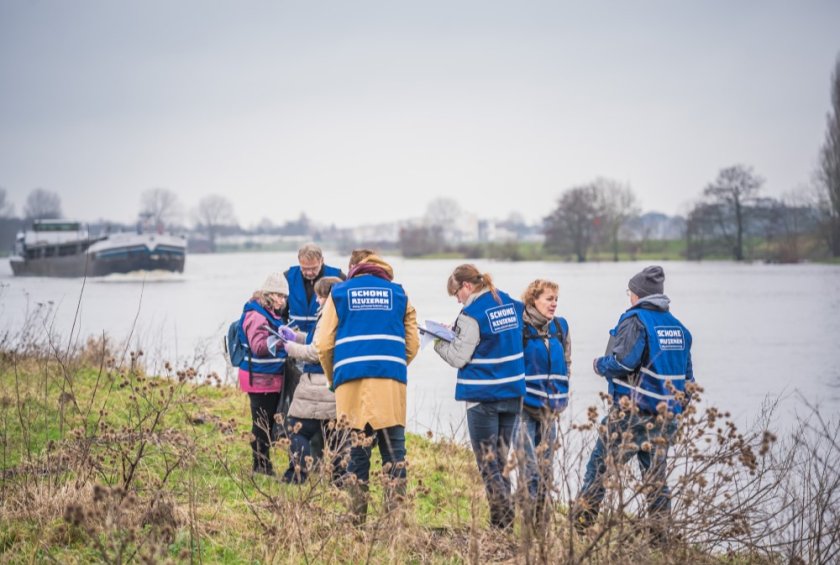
{"type": "Point", "coordinates": [270, 364]}
{"type": "Point", "coordinates": [312, 367]}
{"type": "Point", "coordinates": [370, 335]}
{"type": "Point", "coordinates": [546, 374]}
{"type": "Point", "coordinates": [664, 362]}
{"type": "Point", "coordinates": [303, 313]}
{"type": "Point", "coordinates": [497, 368]}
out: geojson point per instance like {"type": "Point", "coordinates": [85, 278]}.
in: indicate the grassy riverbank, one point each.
{"type": "Point", "coordinates": [103, 463]}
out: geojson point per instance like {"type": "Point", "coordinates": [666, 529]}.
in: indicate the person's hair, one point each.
{"type": "Point", "coordinates": [324, 285]}
{"type": "Point", "coordinates": [310, 251]}
{"type": "Point", "coordinates": [535, 290]}
{"type": "Point", "coordinates": [262, 298]}
{"type": "Point", "coordinates": [468, 273]}
{"type": "Point", "coordinates": [359, 255]}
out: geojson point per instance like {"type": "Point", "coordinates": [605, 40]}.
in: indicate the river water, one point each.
{"type": "Point", "coordinates": [760, 331]}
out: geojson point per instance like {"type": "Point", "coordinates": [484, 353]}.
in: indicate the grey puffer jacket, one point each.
{"type": "Point", "coordinates": [313, 398]}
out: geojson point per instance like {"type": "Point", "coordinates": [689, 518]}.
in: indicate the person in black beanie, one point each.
{"type": "Point", "coordinates": [647, 365]}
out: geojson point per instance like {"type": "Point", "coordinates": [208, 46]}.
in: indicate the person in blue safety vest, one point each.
{"type": "Point", "coordinates": [365, 339]}
{"type": "Point", "coordinates": [261, 371]}
{"type": "Point", "coordinates": [650, 377]}
{"type": "Point", "coordinates": [487, 351]}
{"type": "Point", "coordinates": [302, 308]}
{"type": "Point", "coordinates": [548, 361]}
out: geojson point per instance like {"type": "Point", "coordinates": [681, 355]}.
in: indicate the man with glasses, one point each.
{"type": "Point", "coordinates": [302, 308]}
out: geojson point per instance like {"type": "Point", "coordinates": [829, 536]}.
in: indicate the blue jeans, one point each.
{"type": "Point", "coordinates": [300, 447]}
{"type": "Point", "coordinates": [491, 426]}
{"type": "Point", "coordinates": [391, 443]}
{"type": "Point", "coordinates": [653, 462]}
{"type": "Point", "coordinates": [539, 430]}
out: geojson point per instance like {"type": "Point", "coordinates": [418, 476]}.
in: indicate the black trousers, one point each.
{"type": "Point", "coordinates": [263, 406]}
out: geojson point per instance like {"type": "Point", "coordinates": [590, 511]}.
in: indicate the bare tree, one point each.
{"type": "Point", "coordinates": [443, 217]}
{"type": "Point", "coordinates": [701, 230]}
{"type": "Point", "coordinates": [617, 205]}
{"type": "Point", "coordinates": [265, 225]}
{"type": "Point", "coordinates": [42, 205]}
{"type": "Point", "coordinates": [416, 241]}
{"type": "Point", "coordinates": [790, 219]}
{"type": "Point", "coordinates": [7, 209]}
{"type": "Point", "coordinates": [732, 192]}
{"type": "Point", "coordinates": [828, 174]}
{"type": "Point", "coordinates": [214, 212]}
{"type": "Point", "coordinates": [572, 226]}
{"type": "Point", "coordinates": [442, 212]}
{"type": "Point", "coordinates": [161, 206]}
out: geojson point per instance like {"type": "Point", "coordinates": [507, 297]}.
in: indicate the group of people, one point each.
{"type": "Point", "coordinates": [354, 336]}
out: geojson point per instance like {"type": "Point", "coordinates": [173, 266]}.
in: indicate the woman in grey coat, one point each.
{"type": "Point", "coordinates": [311, 420]}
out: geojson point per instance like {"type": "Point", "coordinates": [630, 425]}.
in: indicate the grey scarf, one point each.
{"type": "Point", "coordinates": [534, 318]}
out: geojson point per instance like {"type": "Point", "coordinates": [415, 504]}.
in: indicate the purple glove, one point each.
{"type": "Point", "coordinates": [288, 333]}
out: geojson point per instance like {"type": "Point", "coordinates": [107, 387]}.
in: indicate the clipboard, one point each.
{"type": "Point", "coordinates": [439, 334]}
{"type": "Point", "coordinates": [425, 331]}
{"type": "Point", "coordinates": [274, 333]}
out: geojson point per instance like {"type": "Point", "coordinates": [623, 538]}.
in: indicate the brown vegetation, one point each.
{"type": "Point", "coordinates": [102, 463]}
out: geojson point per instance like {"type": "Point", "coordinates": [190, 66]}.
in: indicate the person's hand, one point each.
{"type": "Point", "coordinates": [288, 333]}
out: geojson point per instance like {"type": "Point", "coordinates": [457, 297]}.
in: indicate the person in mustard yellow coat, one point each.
{"type": "Point", "coordinates": [365, 340]}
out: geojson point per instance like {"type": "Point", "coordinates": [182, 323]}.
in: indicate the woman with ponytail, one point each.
{"type": "Point", "coordinates": [487, 351]}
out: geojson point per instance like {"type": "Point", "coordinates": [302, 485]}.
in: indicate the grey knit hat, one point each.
{"type": "Point", "coordinates": [650, 281]}
{"type": "Point", "coordinates": [276, 283]}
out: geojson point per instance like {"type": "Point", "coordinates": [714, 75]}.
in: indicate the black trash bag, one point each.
{"type": "Point", "coordinates": [291, 378]}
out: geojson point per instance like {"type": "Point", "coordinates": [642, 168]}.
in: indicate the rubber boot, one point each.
{"type": "Point", "coordinates": [583, 516]}
{"type": "Point", "coordinates": [501, 513]}
{"type": "Point", "coordinates": [395, 496]}
{"type": "Point", "coordinates": [358, 504]}
{"type": "Point", "coordinates": [260, 459]}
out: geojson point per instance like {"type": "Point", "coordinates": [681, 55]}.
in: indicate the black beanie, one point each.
{"type": "Point", "coordinates": [650, 281]}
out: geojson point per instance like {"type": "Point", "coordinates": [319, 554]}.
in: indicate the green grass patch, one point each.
{"type": "Point", "coordinates": [159, 468]}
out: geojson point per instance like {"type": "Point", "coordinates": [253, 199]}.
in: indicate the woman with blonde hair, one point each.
{"type": "Point", "coordinates": [487, 351]}
{"type": "Point", "coordinates": [261, 371]}
{"type": "Point", "coordinates": [547, 349]}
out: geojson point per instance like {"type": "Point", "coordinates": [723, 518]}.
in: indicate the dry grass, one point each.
{"type": "Point", "coordinates": [103, 463]}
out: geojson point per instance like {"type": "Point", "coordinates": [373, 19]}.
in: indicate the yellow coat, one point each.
{"type": "Point", "coordinates": [375, 401]}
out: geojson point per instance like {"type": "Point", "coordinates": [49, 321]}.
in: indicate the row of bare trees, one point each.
{"type": "Point", "coordinates": [590, 214]}
{"type": "Point", "coordinates": [159, 207]}
{"type": "Point", "coordinates": [40, 204]}
{"type": "Point", "coordinates": [163, 208]}
{"type": "Point", "coordinates": [732, 217]}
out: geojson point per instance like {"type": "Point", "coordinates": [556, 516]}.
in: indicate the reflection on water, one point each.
{"type": "Point", "coordinates": [759, 330]}
{"type": "Point", "coordinates": [143, 277]}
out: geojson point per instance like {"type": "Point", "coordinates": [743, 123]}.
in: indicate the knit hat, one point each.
{"type": "Point", "coordinates": [651, 280]}
{"type": "Point", "coordinates": [276, 282]}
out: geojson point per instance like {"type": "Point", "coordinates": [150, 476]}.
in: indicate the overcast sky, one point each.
{"type": "Point", "coordinates": [357, 112]}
